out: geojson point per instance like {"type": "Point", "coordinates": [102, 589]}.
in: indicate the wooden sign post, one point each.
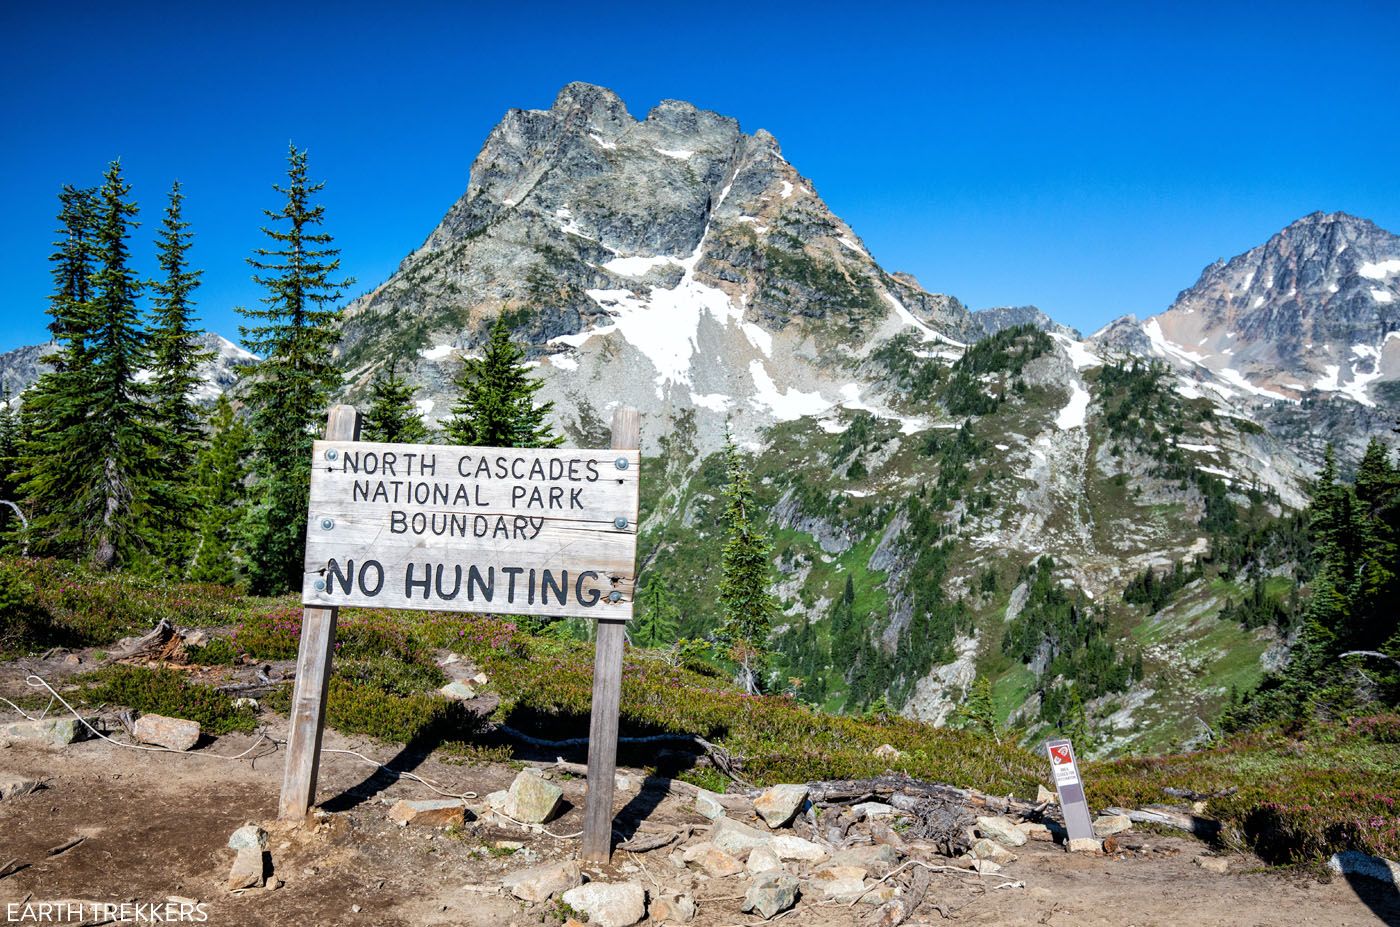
{"type": "Point", "coordinates": [549, 532]}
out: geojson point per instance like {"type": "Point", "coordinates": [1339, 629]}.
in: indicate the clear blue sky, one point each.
{"type": "Point", "coordinates": [1090, 160]}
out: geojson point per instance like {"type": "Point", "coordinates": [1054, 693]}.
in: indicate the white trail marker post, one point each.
{"type": "Point", "coordinates": [549, 532]}
{"type": "Point", "coordinates": [1070, 787]}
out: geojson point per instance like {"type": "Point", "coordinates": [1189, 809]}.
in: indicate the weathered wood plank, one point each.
{"type": "Point", "coordinates": [308, 710]}
{"type": "Point", "coordinates": [607, 698]}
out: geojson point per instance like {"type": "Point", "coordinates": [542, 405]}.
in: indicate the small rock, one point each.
{"type": "Point", "coordinates": [247, 871]}
{"type": "Point", "coordinates": [761, 859]}
{"type": "Point", "coordinates": [355, 909]}
{"type": "Point", "coordinates": [248, 837]}
{"type": "Point", "coordinates": [991, 850]}
{"type": "Point", "coordinates": [532, 800]}
{"type": "Point", "coordinates": [1354, 862]}
{"type": "Point", "coordinates": [1106, 825]}
{"type": "Point", "coordinates": [624, 783]}
{"type": "Point", "coordinates": [780, 804]}
{"type": "Point", "coordinates": [887, 752]}
{"type": "Point", "coordinates": [883, 893]}
{"type": "Point", "coordinates": [707, 805]}
{"type": "Point", "coordinates": [986, 866]}
{"type": "Point", "coordinates": [458, 691]}
{"type": "Point", "coordinates": [480, 679]}
{"type": "Point", "coordinates": [619, 904]}
{"type": "Point", "coordinates": [839, 874]}
{"type": "Point", "coordinates": [246, 702]}
{"type": "Point", "coordinates": [845, 891]}
{"type": "Point", "coordinates": [1091, 845]}
{"type": "Point", "coordinates": [1001, 830]}
{"type": "Point", "coordinates": [878, 859]}
{"type": "Point", "coordinates": [1035, 831]}
{"type": "Point", "coordinates": [870, 810]}
{"type": "Point", "coordinates": [72, 660]}
{"type": "Point", "coordinates": [1213, 863]}
{"type": "Point", "coordinates": [883, 833]}
{"type": "Point", "coordinates": [771, 894]}
{"type": "Point", "coordinates": [57, 731]}
{"type": "Point", "coordinates": [170, 733]}
{"type": "Point", "coordinates": [732, 837]}
{"type": "Point", "coordinates": [790, 846]}
{"type": "Point", "coordinates": [15, 786]}
{"type": "Point", "coordinates": [673, 909]}
{"type": "Point", "coordinates": [497, 801]}
{"type": "Point", "coordinates": [713, 861]}
{"type": "Point", "coordinates": [432, 812]}
{"type": "Point", "coordinates": [1043, 795]}
{"type": "Point", "coordinates": [541, 883]}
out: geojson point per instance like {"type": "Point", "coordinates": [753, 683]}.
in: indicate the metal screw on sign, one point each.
{"type": "Point", "coordinates": [332, 453]}
{"type": "Point", "coordinates": [620, 521]}
{"type": "Point", "coordinates": [327, 524]}
{"type": "Point", "coordinates": [319, 585]}
{"type": "Point", "coordinates": [620, 463]}
{"type": "Point", "coordinates": [614, 596]}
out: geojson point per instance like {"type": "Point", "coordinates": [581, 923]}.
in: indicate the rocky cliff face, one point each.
{"type": "Point", "coordinates": [1312, 314]}
{"type": "Point", "coordinates": [675, 263]}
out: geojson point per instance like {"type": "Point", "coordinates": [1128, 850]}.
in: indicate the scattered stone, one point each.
{"type": "Point", "coordinates": [247, 871]}
{"type": "Point", "coordinates": [1002, 830]}
{"type": "Point", "coordinates": [1218, 864]}
{"type": "Point", "coordinates": [790, 846]}
{"type": "Point", "coordinates": [170, 733]}
{"type": "Point", "coordinates": [883, 833]}
{"type": "Point", "coordinates": [845, 891]}
{"type": "Point", "coordinates": [1043, 795]}
{"type": "Point", "coordinates": [480, 679]}
{"type": "Point", "coordinates": [541, 883]}
{"type": "Point", "coordinates": [532, 800]}
{"type": "Point", "coordinates": [732, 837]}
{"type": "Point", "coordinates": [624, 783]}
{"type": "Point", "coordinates": [432, 812]}
{"type": "Point", "coordinates": [761, 859]}
{"type": "Point", "coordinates": [707, 805]}
{"type": "Point", "coordinates": [888, 752]}
{"type": "Point", "coordinates": [881, 894]}
{"type": "Point", "coordinates": [771, 894]}
{"type": "Point", "coordinates": [57, 731]}
{"type": "Point", "coordinates": [510, 846]}
{"type": "Point", "coordinates": [15, 786]}
{"type": "Point", "coordinates": [246, 702]}
{"type": "Point", "coordinates": [990, 849]}
{"type": "Point", "coordinates": [248, 837]}
{"type": "Point", "coordinates": [1106, 825]}
{"type": "Point", "coordinates": [713, 861]}
{"type": "Point", "coordinates": [355, 909]}
{"type": "Point", "coordinates": [986, 866]}
{"type": "Point", "coordinates": [1354, 862]}
{"type": "Point", "coordinates": [497, 801]}
{"type": "Point", "coordinates": [1091, 845]}
{"type": "Point", "coordinates": [870, 810]}
{"type": "Point", "coordinates": [673, 909]}
{"type": "Point", "coordinates": [619, 904]}
{"type": "Point", "coordinates": [458, 691]}
{"type": "Point", "coordinates": [780, 804]}
{"type": "Point", "coordinates": [1035, 831]}
{"type": "Point", "coordinates": [72, 660]}
{"type": "Point", "coordinates": [878, 860]}
{"type": "Point", "coordinates": [839, 873]}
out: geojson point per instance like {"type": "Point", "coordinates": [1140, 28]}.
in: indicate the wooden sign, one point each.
{"type": "Point", "coordinates": [1065, 770]}
{"type": "Point", "coordinates": [498, 530]}
{"type": "Point", "coordinates": [549, 532]}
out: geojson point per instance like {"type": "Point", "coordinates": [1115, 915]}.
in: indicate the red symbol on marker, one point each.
{"type": "Point", "coordinates": [1060, 754]}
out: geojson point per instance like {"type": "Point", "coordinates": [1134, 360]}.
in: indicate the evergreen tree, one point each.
{"type": "Point", "coordinates": [55, 407]}
{"type": "Point", "coordinates": [978, 712]}
{"type": "Point", "coordinates": [659, 621]}
{"type": "Point", "coordinates": [176, 356]}
{"type": "Point", "coordinates": [392, 416]}
{"type": "Point", "coordinates": [746, 601]}
{"type": "Point", "coordinates": [288, 391]}
{"type": "Point", "coordinates": [496, 399]}
{"type": "Point", "coordinates": [94, 469]}
{"type": "Point", "coordinates": [9, 461]}
{"type": "Point", "coordinates": [220, 473]}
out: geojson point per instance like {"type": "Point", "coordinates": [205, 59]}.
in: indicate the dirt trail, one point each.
{"type": "Point", "coordinates": [156, 825]}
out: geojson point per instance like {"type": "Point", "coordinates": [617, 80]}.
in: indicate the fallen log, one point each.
{"type": "Point", "coordinates": [1202, 827]}
{"type": "Point", "coordinates": [905, 793]}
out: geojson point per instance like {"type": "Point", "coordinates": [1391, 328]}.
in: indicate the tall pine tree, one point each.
{"type": "Point", "coordinates": [496, 399]}
{"type": "Point", "coordinates": [176, 356]}
{"type": "Point", "coordinates": [393, 416]}
{"type": "Point", "coordinates": [289, 389]}
{"type": "Point", "coordinates": [659, 621]}
{"type": "Point", "coordinates": [220, 472]}
{"type": "Point", "coordinates": [746, 599]}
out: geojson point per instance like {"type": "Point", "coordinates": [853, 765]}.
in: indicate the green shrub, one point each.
{"type": "Point", "coordinates": [220, 651]}
{"type": "Point", "coordinates": [165, 692]}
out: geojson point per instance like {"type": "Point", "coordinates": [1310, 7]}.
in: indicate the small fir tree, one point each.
{"type": "Point", "coordinates": [496, 399]}
{"type": "Point", "coordinates": [392, 416]}
{"type": "Point", "coordinates": [978, 712]}
{"type": "Point", "coordinates": [289, 389]}
{"type": "Point", "coordinates": [220, 476]}
{"type": "Point", "coordinates": [747, 604]}
{"type": "Point", "coordinates": [659, 621]}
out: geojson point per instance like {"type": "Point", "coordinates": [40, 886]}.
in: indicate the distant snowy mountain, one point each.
{"type": "Point", "coordinates": [20, 368]}
{"type": "Point", "coordinates": [1312, 314]}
